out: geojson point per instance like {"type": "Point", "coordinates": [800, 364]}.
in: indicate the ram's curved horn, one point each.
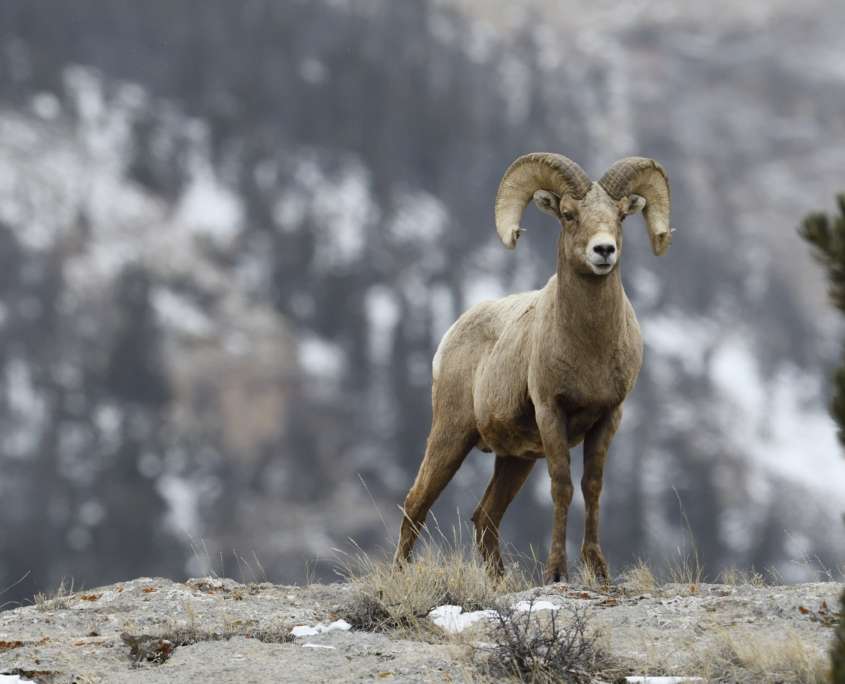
{"type": "Point", "coordinates": [645, 177]}
{"type": "Point", "coordinates": [529, 173]}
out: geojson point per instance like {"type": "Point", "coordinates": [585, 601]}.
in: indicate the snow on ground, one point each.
{"type": "Point", "coordinates": [320, 628]}
{"type": "Point", "coordinates": [453, 619]}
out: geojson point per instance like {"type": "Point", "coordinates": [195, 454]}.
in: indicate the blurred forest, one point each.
{"type": "Point", "coordinates": [232, 234]}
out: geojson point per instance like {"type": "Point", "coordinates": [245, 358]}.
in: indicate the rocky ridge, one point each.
{"type": "Point", "coordinates": [210, 629]}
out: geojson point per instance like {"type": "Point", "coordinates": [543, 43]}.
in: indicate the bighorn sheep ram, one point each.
{"type": "Point", "coordinates": [536, 373]}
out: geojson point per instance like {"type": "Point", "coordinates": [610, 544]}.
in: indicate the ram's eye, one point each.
{"type": "Point", "coordinates": [567, 215]}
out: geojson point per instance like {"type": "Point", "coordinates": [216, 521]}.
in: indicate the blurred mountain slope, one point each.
{"type": "Point", "coordinates": [234, 234]}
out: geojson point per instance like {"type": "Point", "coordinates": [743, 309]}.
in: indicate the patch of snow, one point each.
{"type": "Point", "coordinates": [320, 628]}
{"type": "Point", "coordinates": [647, 287]}
{"type": "Point", "coordinates": [210, 209]}
{"type": "Point", "coordinates": [182, 502]}
{"type": "Point", "coordinates": [180, 314]}
{"type": "Point", "coordinates": [46, 105]}
{"type": "Point", "coordinates": [326, 646]}
{"type": "Point", "coordinates": [481, 288]}
{"type": "Point", "coordinates": [290, 211]}
{"type": "Point", "coordinates": [13, 679]}
{"type": "Point", "coordinates": [775, 419]}
{"type": "Point", "coordinates": [342, 209]}
{"type": "Point", "coordinates": [525, 606]}
{"type": "Point", "coordinates": [320, 357]}
{"type": "Point", "coordinates": [382, 315]}
{"type": "Point", "coordinates": [86, 89]}
{"type": "Point", "coordinates": [27, 405]}
{"type": "Point", "coordinates": [420, 219]}
{"type": "Point", "coordinates": [442, 310]}
{"type": "Point", "coordinates": [685, 338]}
{"type": "Point", "coordinates": [734, 371]}
{"type": "Point", "coordinates": [107, 418]}
{"type": "Point", "coordinates": [516, 83]}
{"type": "Point", "coordinates": [454, 620]}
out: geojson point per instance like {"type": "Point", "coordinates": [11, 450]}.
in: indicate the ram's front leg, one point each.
{"type": "Point", "coordinates": [596, 444]}
{"type": "Point", "coordinates": [552, 425]}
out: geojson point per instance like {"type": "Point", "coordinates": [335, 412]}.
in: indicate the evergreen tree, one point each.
{"type": "Point", "coordinates": [827, 235]}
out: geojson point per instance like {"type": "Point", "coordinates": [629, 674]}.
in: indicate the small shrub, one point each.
{"type": "Point", "coordinates": [545, 646]}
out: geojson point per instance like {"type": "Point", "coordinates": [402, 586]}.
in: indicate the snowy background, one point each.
{"type": "Point", "coordinates": [232, 234]}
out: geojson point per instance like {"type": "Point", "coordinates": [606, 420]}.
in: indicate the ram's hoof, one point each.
{"type": "Point", "coordinates": [556, 571]}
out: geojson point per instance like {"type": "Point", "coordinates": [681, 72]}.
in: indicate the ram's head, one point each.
{"type": "Point", "coordinates": [590, 214]}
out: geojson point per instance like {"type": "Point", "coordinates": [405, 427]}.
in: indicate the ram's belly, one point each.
{"type": "Point", "coordinates": [518, 435]}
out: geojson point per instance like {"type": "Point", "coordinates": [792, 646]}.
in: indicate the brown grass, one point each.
{"type": "Point", "coordinates": [748, 656]}
{"type": "Point", "coordinates": [638, 578]}
{"type": "Point", "coordinates": [58, 600]}
{"type": "Point", "coordinates": [443, 572]}
{"type": "Point", "coordinates": [742, 578]}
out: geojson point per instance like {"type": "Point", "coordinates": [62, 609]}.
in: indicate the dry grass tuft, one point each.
{"type": "Point", "coordinates": [735, 577]}
{"type": "Point", "coordinates": [390, 598]}
{"type": "Point", "coordinates": [685, 568]}
{"type": "Point", "coordinates": [638, 578]}
{"type": "Point", "coordinates": [588, 578]}
{"type": "Point", "coordinates": [59, 600]}
{"type": "Point", "coordinates": [750, 656]}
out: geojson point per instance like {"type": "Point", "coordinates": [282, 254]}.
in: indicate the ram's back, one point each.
{"type": "Point", "coordinates": [466, 348]}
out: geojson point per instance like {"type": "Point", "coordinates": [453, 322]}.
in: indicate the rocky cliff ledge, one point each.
{"type": "Point", "coordinates": [213, 630]}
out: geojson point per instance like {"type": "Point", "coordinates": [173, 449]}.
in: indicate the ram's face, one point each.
{"type": "Point", "coordinates": [592, 227]}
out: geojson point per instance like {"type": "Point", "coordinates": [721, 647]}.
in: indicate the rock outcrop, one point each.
{"type": "Point", "coordinates": [157, 630]}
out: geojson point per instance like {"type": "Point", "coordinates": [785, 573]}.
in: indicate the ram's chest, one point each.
{"type": "Point", "coordinates": [594, 387]}
{"type": "Point", "coordinates": [591, 379]}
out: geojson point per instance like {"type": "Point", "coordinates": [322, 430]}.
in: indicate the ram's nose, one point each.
{"type": "Point", "coordinates": [604, 249]}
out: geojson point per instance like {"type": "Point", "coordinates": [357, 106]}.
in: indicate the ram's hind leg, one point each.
{"type": "Point", "coordinates": [509, 474]}
{"type": "Point", "coordinates": [445, 451]}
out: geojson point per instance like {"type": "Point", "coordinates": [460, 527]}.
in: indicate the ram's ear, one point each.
{"type": "Point", "coordinates": [636, 203]}
{"type": "Point", "coordinates": [547, 202]}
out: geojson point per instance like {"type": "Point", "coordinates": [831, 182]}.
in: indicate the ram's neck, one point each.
{"type": "Point", "coordinates": [590, 309]}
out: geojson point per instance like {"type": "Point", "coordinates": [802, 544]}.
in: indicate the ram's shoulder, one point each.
{"type": "Point", "coordinates": [484, 323]}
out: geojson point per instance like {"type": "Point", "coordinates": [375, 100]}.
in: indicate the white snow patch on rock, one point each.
{"type": "Point", "coordinates": [320, 628]}
{"type": "Point", "coordinates": [453, 619]}
{"type": "Point", "coordinates": [526, 606]}
{"type": "Point", "coordinates": [309, 645]}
